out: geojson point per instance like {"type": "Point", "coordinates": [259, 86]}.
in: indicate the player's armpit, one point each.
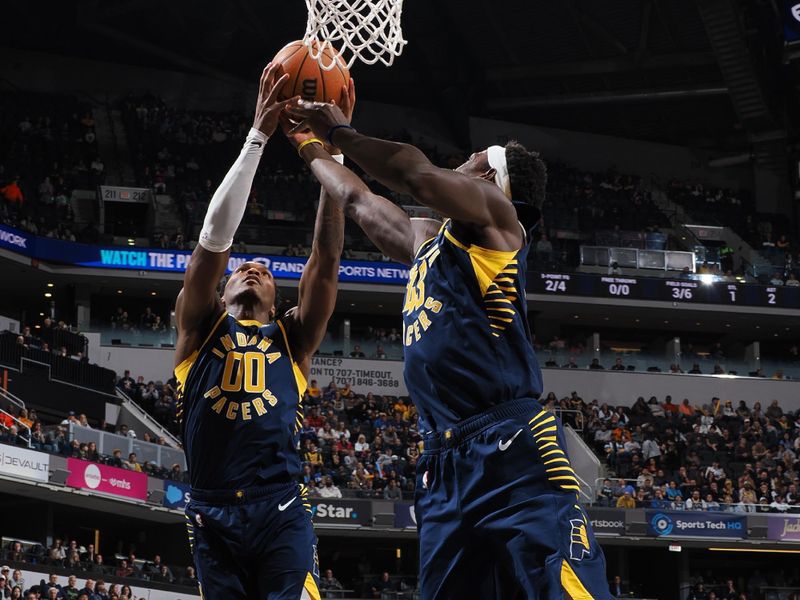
{"type": "Point", "coordinates": [198, 301]}
{"type": "Point", "coordinates": [424, 229]}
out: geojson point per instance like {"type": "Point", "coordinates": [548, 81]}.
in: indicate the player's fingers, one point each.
{"type": "Point", "coordinates": [277, 87]}
{"type": "Point", "coordinates": [296, 110]}
{"type": "Point", "coordinates": [284, 104]}
{"type": "Point", "coordinates": [262, 84]}
{"type": "Point", "coordinates": [351, 92]}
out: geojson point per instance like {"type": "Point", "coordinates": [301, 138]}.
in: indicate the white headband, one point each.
{"type": "Point", "coordinates": [497, 161]}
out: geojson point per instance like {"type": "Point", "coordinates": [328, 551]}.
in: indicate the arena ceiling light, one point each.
{"type": "Point", "coordinates": [50, 284]}
{"type": "Point", "coordinates": [48, 295]}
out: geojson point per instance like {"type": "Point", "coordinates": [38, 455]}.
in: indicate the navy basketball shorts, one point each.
{"type": "Point", "coordinates": [498, 514]}
{"type": "Point", "coordinates": [254, 544]}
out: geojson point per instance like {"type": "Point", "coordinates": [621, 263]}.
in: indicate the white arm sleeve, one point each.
{"type": "Point", "coordinates": [226, 209]}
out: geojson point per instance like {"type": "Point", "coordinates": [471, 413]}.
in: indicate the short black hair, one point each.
{"type": "Point", "coordinates": [528, 174]}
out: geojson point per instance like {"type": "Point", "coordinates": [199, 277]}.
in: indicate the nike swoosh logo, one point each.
{"type": "Point", "coordinates": [504, 445]}
{"type": "Point", "coordinates": [257, 144]}
{"type": "Point", "coordinates": [283, 507]}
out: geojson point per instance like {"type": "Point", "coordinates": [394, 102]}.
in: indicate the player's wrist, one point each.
{"type": "Point", "coordinates": [310, 147]}
{"type": "Point", "coordinates": [256, 135]}
{"type": "Point", "coordinates": [339, 131]}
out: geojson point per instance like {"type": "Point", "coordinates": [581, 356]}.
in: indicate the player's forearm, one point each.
{"type": "Point", "coordinates": [385, 224]}
{"type": "Point", "coordinates": [393, 164]}
{"type": "Point", "coordinates": [343, 187]}
{"type": "Point", "coordinates": [328, 240]}
{"type": "Point", "coordinates": [227, 206]}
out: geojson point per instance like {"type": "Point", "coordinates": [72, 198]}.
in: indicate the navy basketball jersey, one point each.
{"type": "Point", "coordinates": [465, 331]}
{"type": "Point", "coordinates": [239, 403]}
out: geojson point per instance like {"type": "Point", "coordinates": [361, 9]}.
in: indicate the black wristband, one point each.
{"type": "Point", "coordinates": [329, 137]}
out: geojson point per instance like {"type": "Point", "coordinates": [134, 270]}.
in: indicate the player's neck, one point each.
{"type": "Point", "coordinates": [248, 312]}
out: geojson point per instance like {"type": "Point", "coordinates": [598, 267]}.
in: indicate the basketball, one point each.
{"type": "Point", "coordinates": [307, 78]}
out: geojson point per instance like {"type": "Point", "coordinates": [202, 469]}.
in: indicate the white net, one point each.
{"type": "Point", "coordinates": [368, 30]}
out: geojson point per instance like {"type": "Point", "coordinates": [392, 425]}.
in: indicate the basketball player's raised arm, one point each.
{"type": "Point", "coordinates": [316, 295]}
{"type": "Point", "coordinates": [386, 225]}
{"type": "Point", "coordinates": [198, 301]}
{"type": "Point", "coordinates": [405, 169]}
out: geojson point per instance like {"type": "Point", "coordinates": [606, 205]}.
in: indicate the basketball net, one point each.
{"type": "Point", "coordinates": [368, 30]}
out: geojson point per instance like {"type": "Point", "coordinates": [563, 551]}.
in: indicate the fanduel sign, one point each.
{"type": "Point", "coordinates": [176, 261]}
{"type": "Point", "coordinates": [21, 462]}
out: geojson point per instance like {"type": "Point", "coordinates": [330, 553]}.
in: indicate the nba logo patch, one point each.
{"type": "Point", "coordinates": [578, 540]}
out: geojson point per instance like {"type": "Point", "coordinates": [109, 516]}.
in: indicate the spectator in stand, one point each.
{"type": "Point", "coordinates": [116, 459]}
{"type": "Point", "coordinates": [329, 490]}
{"type": "Point", "coordinates": [776, 279]}
{"type": "Point", "coordinates": [357, 353]}
{"type": "Point", "coordinates": [131, 463]}
{"type": "Point", "coordinates": [163, 575]}
{"type": "Point", "coordinates": [383, 583]}
{"type": "Point", "coordinates": [392, 492]}
{"type": "Point", "coordinates": [596, 364]}
{"type": "Point", "coordinates": [627, 500]}
{"type": "Point", "coordinates": [13, 195]}
{"type": "Point", "coordinates": [617, 589]}
{"type": "Point", "coordinates": [570, 364]}
{"type": "Point", "coordinates": [71, 591]}
{"type": "Point", "coordinates": [329, 583]}
{"type": "Point", "coordinates": [618, 366]}
{"type": "Point", "coordinates": [124, 569]}
{"type": "Point", "coordinates": [17, 580]}
{"type": "Point", "coordinates": [544, 249]}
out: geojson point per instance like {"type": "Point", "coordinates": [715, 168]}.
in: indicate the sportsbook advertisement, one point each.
{"type": "Point", "coordinates": [607, 521]}
{"type": "Point", "coordinates": [341, 511]}
{"type": "Point", "coordinates": [700, 524]}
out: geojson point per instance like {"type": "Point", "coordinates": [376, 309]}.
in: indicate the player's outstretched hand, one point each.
{"type": "Point", "coordinates": [348, 105]}
{"type": "Point", "coordinates": [319, 117]}
{"type": "Point", "coordinates": [295, 137]}
{"type": "Point", "coordinates": [268, 108]}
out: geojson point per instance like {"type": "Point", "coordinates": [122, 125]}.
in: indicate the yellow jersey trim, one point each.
{"type": "Point", "coordinates": [182, 370]}
{"type": "Point", "coordinates": [302, 384]}
{"type": "Point", "coordinates": [311, 588]}
{"type": "Point", "coordinates": [249, 322]}
{"type": "Point", "coordinates": [572, 585]}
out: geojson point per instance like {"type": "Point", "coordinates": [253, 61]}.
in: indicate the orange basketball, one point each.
{"type": "Point", "coordinates": [307, 78]}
